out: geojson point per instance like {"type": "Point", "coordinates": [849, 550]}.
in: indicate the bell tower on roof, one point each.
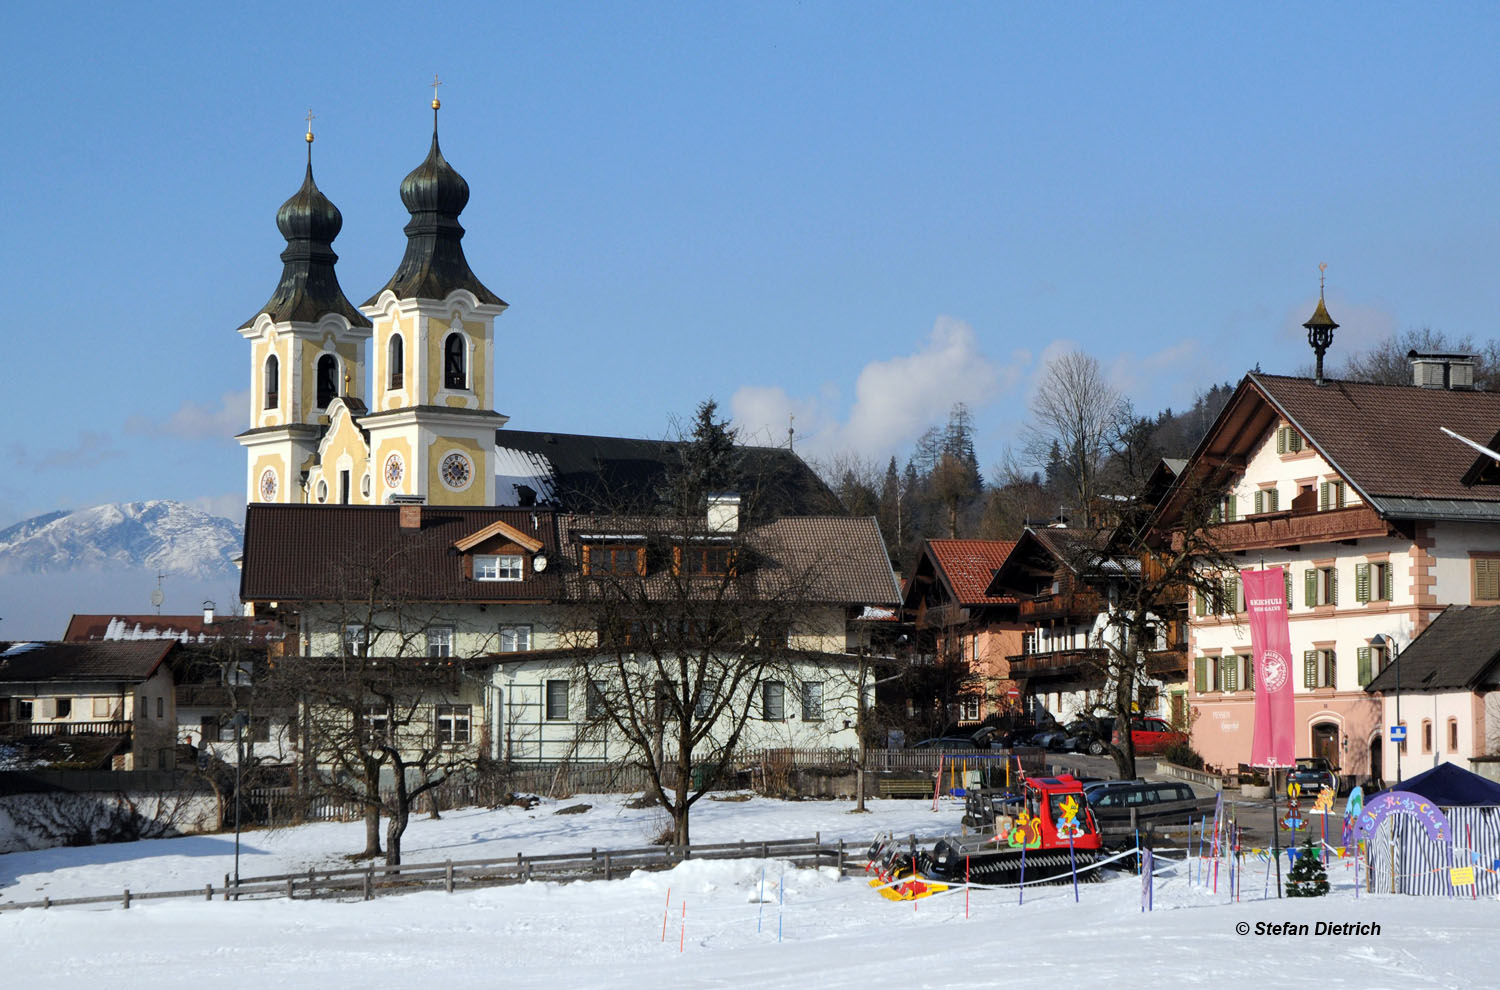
{"type": "Point", "coordinates": [432, 422]}
{"type": "Point", "coordinates": [307, 349]}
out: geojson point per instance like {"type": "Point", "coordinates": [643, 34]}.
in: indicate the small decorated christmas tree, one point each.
{"type": "Point", "coordinates": [1308, 877]}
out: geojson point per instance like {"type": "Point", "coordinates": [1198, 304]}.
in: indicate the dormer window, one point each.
{"type": "Point", "coordinates": [328, 380]}
{"type": "Point", "coordinates": [613, 558]}
{"type": "Point", "coordinates": [455, 363]}
{"type": "Point", "coordinates": [397, 361]}
{"type": "Point", "coordinates": [499, 567]}
{"type": "Point", "coordinates": [700, 561]}
{"type": "Point", "coordinates": [273, 382]}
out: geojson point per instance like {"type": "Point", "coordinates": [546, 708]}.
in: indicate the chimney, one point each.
{"type": "Point", "coordinates": [724, 513]}
{"type": "Point", "coordinates": [208, 613]}
{"type": "Point", "coordinates": [411, 517]}
{"type": "Point", "coordinates": [1445, 371]}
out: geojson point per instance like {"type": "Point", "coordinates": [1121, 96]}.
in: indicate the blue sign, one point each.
{"type": "Point", "coordinates": [1398, 733]}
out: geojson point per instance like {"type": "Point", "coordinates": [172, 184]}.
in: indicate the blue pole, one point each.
{"type": "Point", "coordinates": [761, 912]}
{"type": "Point", "coordinates": [780, 900]}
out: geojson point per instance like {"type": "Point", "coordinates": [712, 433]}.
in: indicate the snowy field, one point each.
{"type": "Point", "coordinates": [817, 931]}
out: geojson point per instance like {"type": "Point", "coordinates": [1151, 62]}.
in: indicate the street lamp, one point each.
{"type": "Point", "coordinates": [239, 761]}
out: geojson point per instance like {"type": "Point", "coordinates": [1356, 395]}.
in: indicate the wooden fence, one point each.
{"type": "Point", "coordinates": [367, 882]}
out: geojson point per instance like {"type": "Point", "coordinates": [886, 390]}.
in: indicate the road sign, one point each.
{"type": "Point", "coordinates": [1398, 733]}
{"type": "Point", "coordinates": [1013, 693]}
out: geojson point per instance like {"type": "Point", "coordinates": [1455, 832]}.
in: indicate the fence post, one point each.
{"type": "Point", "coordinates": [370, 882]}
{"type": "Point", "coordinates": [448, 877]}
{"type": "Point", "coordinates": [46, 903]}
{"type": "Point", "coordinates": [841, 859]}
{"type": "Point", "coordinates": [289, 888]}
{"type": "Point", "coordinates": [208, 892]}
{"type": "Point", "coordinates": [226, 886]}
{"type": "Point", "coordinates": [609, 873]}
{"type": "Point", "coordinates": [127, 898]}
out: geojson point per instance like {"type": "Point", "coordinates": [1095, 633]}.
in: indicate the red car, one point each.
{"type": "Point", "coordinates": [1151, 736]}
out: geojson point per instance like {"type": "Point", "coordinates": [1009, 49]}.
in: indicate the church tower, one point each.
{"type": "Point", "coordinates": [307, 351]}
{"type": "Point", "coordinates": [432, 423]}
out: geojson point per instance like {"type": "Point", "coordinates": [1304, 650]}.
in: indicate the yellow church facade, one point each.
{"type": "Point", "coordinates": [358, 405]}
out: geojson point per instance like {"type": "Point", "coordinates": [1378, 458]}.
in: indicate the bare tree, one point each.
{"type": "Point", "coordinates": [1077, 410]}
{"type": "Point", "coordinates": [382, 721]}
{"type": "Point", "coordinates": [1385, 362]}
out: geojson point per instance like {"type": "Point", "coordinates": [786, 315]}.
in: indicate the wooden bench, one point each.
{"type": "Point", "coordinates": [904, 787]}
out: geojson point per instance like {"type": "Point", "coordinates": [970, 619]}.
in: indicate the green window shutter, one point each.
{"type": "Point", "coordinates": [1260, 502]}
{"type": "Point", "coordinates": [1361, 582]}
{"type": "Point", "coordinates": [1273, 499]}
{"type": "Point", "coordinates": [1217, 515]}
{"type": "Point", "coordinates": [1339, 489]}
{"type": "Point", "coordinates": [1333, 669]}
{"type": "Point", "coordinates": [1200, 602]}
{"type": "Point", "coordinates": [1322, 496]}
{"type": "Point", "coordinates": [1230, 507]}
{"type": "Point", "coordinates": [1239, 594]}
{"type": "Point", "coordinates": [1309, 668]}
{"type": "Point", "coordinates": [1281, 440]}
{"type": "Point", "coordinates": [1287, 574]}
{"type": "Point", "coordinates": [1389, 580]}
{"type": "Point", "coordinates": [1333, 585]}
{"type": "Point", "coordinates": [1200, 674]}
{"type": "Point", "coordinates": [1309, 588]}
{"type": "Point", "coordinates": [1250, 673]}
{"type": "Point", "coordinates": [1229, 667]}
{"type": "Point", "coordinates": [1486, 579]}
{"type": "Point", "coordinates": [1364, 665]}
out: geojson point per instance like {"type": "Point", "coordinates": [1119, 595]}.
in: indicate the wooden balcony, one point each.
{"type": "Point", "coordinates": [1285, 530]}
{"type": "Point", "coordinates": [941, 616]}
{"type": "Point", "coordinates": [1076, 605]}
{"type": "Point", "coordinates": [21, 730]}
{"type": "Point", "coordinates": [1167, 663]}
{"type": "Point", "coordinates": [1059, 663]}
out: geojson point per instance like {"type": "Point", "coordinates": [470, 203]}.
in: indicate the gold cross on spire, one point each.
{"type": "Point", "coordinates": [310, 116]}
{"type": "Point", "coordinates": [1322, 276]}
{"type": "Point", "coordinates": [436, 82]}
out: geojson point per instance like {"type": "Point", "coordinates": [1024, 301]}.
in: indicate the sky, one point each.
{"type": "Point", "coordinates": [854, 214]}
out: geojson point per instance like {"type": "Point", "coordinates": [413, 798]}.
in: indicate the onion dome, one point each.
{"type": "Point", "coordinates": [309, 288]}
{"type": "Point", "coordinates": [434, 264]}
{"type": "Point", "coordinates": [1320, 319]}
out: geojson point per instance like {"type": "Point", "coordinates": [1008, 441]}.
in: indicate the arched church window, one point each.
{"type": "Point", "coordinates": [455, 374]}
{"type": "Point", "coordinates": [273, 382]}
{"type": "Point", "coordinates": [328, 380]}
{"type": "Point", "coordinates": [397, 361]}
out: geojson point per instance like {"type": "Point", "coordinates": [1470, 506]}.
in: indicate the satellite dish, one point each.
{"type": "Point", "coordinates": [157, 597]}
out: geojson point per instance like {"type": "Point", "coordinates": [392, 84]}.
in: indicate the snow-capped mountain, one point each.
{"type": "Point", "coordinates": [159, 535]}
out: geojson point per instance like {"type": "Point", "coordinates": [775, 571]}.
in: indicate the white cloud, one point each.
{"type": "Point", "coordinates": [195, 421]}
{"type": "Point", "coordinates": [231, 506]}
{"type": "Point", "coordinates": [895, 399]}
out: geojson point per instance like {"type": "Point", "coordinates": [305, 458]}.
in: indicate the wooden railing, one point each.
{"type": "Point", "coordinates": [368, 882]}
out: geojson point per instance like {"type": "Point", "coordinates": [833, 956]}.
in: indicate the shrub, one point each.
{"type": "Point", "coordinates": [1183, 754]}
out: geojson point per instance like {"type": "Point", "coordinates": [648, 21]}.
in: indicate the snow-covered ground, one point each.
{"type": "Point", "coordinates": [819, 931]}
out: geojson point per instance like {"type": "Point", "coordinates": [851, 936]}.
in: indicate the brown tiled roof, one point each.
{"type": "Point", "coordinates": [184, 628]}
{"type": "Point", "coordinates": [838, 559]}
{"type": "Point", "coordinates": [1385, 439]}
{"type": "Point", "coordinates": [110, 661]}
{"type": "Point", "coordinates": [327, 553]}
{"type": "Point", "coordinates": [968, 566]}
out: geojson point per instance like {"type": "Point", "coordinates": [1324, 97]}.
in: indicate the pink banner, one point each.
{"type": "Point", "coordinates": [1270, 638]}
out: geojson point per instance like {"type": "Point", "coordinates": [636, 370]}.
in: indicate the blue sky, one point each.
{"type": "Point", "coordinates": [855, 213]}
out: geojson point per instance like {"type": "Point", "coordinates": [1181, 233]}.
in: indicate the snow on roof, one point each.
{"type": "Point", "coordinates": [522, 467]}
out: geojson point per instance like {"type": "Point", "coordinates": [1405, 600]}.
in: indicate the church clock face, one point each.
{"type": "Point", "coordinates": [394, 471]}
{"type": "Point", "coordinates": [456, 471]}
{"type": "Point", "coordinates": [268, 485]}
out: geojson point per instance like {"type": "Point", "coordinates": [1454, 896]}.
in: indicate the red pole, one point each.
{"type": "Point", "coordinates": [682, 939]}
{"type": "Point", "coordinates": [664, 912]}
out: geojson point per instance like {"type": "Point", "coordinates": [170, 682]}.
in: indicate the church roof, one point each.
{"type": "Point", "coordinates": [434, 264]}
{"type": "Point", "coordinates": [309, 288]}
{"type": "Point", "coordinates": [624, 474]}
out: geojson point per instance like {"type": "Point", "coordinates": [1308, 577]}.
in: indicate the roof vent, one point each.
{"type": "Point", "coordinates": [1446, 371]}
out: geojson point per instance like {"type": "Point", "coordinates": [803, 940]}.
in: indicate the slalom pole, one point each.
{"type": "Point", "coordinates": [682, 938]}
{"type": "Point", "coordinates": [1138, 866]}
{"type": "Point", "coordinates": [664, 912]}
{"type": "Point", "coordinates": [1021, 889]}
{"type": "Point", "coordinates": [1073, 865]}
{"type": "Point", "coordinates": [761, 907]}
{"type": "Point", "coordinates": [1469, 841]}
{"type": "Point", "coordinates": [1265, 894]}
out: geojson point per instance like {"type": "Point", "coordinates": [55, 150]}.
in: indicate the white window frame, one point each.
{"type": "Point", "coordinates": [356, 640]}
{"type": "Point", "coordinates": [499, 567]}
{"type": "Point", "coordinates": [453, 725]}
{"type": "Point", "coordinates": [440, 641]}
{"type": "Point", "coordinates": [969, 709]}
{"type": "Point", "coordinates": [519, 638]}
{"type": "Point", "coordinates": [812, 701]}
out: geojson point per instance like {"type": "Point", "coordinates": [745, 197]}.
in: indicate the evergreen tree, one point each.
{"type": "Point", "coordinates": [1308, 878]}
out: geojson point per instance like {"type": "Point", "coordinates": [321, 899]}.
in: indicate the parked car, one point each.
{"type": "Point", "coordinates": [1116, 795]}
{"type": "Point", "coordinates": [1151, 735]}
{"type": "Point", "coordinates": [1088, 735]}
{"type": "Point", "coordinates": [1313, 773]}
{"type": "Point", "coordinates": [949, 743]}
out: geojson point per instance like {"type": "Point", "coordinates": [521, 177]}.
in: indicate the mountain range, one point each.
{"type": "Point", "coordinates": [107, 559]}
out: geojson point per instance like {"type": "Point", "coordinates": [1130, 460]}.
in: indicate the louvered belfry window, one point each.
{"type": "Point", "coordinates": [454, 366]}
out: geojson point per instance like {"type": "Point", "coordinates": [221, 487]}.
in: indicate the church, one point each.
{"type": "Point", "coordinates": [354, 405]}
